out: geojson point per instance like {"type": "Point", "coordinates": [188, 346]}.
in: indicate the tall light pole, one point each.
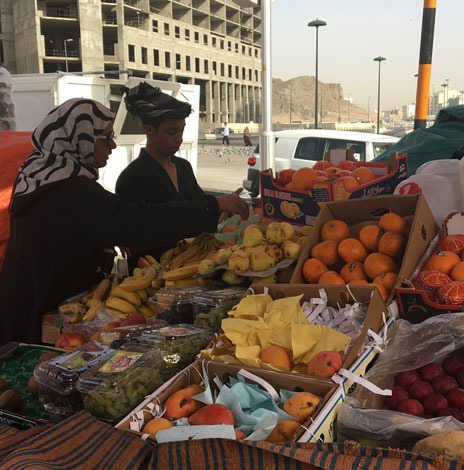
{"type": "Point", "coordinates": [444, 85]}
{"type": "Point", "coordinates": [66, 51]}
{"type": "Point", "coordinates": [378, 59]}
{"type": "Point", "coordinates": [316, 24]}
{"type": "Point", "coordinates": [368, 107]}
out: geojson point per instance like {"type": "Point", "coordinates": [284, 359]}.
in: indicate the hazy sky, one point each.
{"type": "Point", "coordinates": [359, 30]}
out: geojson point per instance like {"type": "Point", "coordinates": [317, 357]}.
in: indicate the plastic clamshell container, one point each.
{"type": "Point", "coordinates": [209, 308]}
{"type": "Point", "coordinates": [175, 305]}
{"type": "Point", "coordinates": [112, 388]}
{"type": "Point", "coordinates": [58, 379]}
{"type": "Point", "coordinates": [179, 344]}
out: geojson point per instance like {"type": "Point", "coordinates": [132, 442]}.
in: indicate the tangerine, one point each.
{"type": "Point", "coordinates": [370, 236]}
{"type": "Point", "coordinates": [322, 165]}
{"type": "Point", "coordinates": [392, 222]}
{"type": "Point", "coordinates": [303, 178]}
{"type": "Point", "coordinates": [331, 277]}
{"type": "Point", "coordinates": [313, 270]}
{"type": "Point", "coordinates": [348, 182]}
{"type": "Point", "coordinates": [443, 261]}
{"type": "Point", "coordinates": [351, 249]}
{"type": "Point", "coordinates": [326, 251]}
{"type": "Point", "coordinates": [289, 186]}
{"type": "Point", "coordinates": [363, 175]}
{"type": "Point", "coordinates": [358, 282]}
{"type": "Point", "coordinates": [378, 263]}
{"type": "Point", "coordinates": [392, 244]}
{"type": "Point", "coordinates": [388, 280]}
{"type": "Point", "coordinates": [332, 171]}
{"type": "Point", "coordinates": [155, 425]}
{"type": "Point", "coordinates": [383, 291]}
{"type": "Point", "coordinates": [457, 274]}
{"type": "Point", "coordinates": [353, 272]}
{"type": "Point", "coordinates": [228, 228]}
{"type": "Point", "coordinates": [335, 230]}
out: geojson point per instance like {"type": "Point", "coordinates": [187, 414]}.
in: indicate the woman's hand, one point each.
{"type": "Point", "coordinates": [234, 204]}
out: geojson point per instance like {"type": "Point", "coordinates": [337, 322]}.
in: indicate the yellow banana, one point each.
{"type": "Point", "coordinates": [181, 273]}
{"type": "Point", "coordinates": [116, 312]}
{"type": "Point", "coordinates": [72, 308]}
{"type": "Point", "coordinates": [137, 273]}
{"type": "Point", "coordinates": [151, 290]}
{"type": "Point", "coordinates": [131, 297]}
{"type": "Point", "coordinates": [142, 263]}
{"type": "Point", "coordinates": [145, 311]}
{"type": "Point", "coordinates": [143, 282]}
{"type": "Point", "coordinates": [102, 289]}
{"type": "Point", "coordinates": [189, 281]}
{"type": "Point", "coordinates": [157, 284]}
{"type": "Point", "coordinates": [153, 262]}
{"type": "Point", "coordinates": [152, 306]}
{"type": "Point", "coordinates": [93, 310]}
{"type": "Point", "coordinates": [114, 280]}
{"type": "Point", "coordinates": [142, 293]}
{"type": "Point", "coordinates": [121, 305]}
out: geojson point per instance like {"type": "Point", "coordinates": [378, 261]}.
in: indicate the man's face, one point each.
{"type": "Point", "coordinates": [168, 137]}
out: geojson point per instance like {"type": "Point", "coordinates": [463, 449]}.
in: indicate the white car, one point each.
{"type": "Point", "coordinates": [303, 148]}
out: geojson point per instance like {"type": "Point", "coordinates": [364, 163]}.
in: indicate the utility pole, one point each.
{"type": "Point", "coordinates": [291, 96]}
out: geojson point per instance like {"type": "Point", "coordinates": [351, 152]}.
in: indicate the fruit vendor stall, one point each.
{"type": "Point", "coordinates": [267, 341]}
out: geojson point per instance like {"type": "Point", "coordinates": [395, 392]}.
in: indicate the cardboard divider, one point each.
{"type": "Point", "coordinates": [361, 211]}
{"type": "Point", "coordinates": [193, 375]}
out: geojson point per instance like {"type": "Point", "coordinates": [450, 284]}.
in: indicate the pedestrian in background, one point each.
{"type": "Point", "coordinates": [225, 135]}
{"type": "Point", "coordinates": [247, 137]}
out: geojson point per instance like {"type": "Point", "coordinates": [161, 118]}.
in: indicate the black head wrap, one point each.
{"type": "Point", "coordinates": [152, 105]}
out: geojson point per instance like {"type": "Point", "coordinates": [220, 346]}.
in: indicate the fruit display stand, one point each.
{"type": "Point", "coordinates": [324, 389]}
{"type": "Point", "coordinates": [416, 304]}
{"type": "Point", "coordinates": [302, 207]}
{"type": "Point", "coordinates": [361, 212]}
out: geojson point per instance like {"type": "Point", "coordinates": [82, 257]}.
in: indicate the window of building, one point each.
{"type": "Point", "coordinates": [236, 47]}
{"type": "Point", "coordinates": [229, 46]}
{"type": "Point", "coordinates": [187, 63]}
{"type": "Point", "coordinates": [196, 36]}
{"type": "Point", "coordinates": [131, 53]}
{"type": "Point", "coordinates": [243, 49]}
{"type": "Point", "coordinates": [243, 73]}
{"type": "Point", "coordinates": [166, 29]}
{"type": "Point", "coordinates": [187, 34]}
{"type": "Point", "coordinates": [249, 74]}
{"type": "Point", "coordinates": [256, 52]}
{"type": "Point", "coordinates": [222, 44]}
{"type": "Point", "coordinates": [249, 51]}
{"type": "Point", "coordinates": [230, 71]}
{"type": "Point", "coordinates": [213, 42]}
{"type": "Point", "coordinates": [205, 66]}
{"type": "Point", "coordinates": [256, 75]}
{"type": "Point", "coordinates": [2, 57]}
{"type": "Point", "coordinates": [197, 64]}
{"type": "Point", "coordinates": [177, 32]}
{"type": "Point", "coordinates": [222, 70]}
{"type": "Point", "coordinates": [144, 55]}
{"type": "Point", "coordinates": [154, 25]}
{"type": "Point", "coordinates": [178, 61]}
{"type": "Point", "coordinates": [205, 39]}
{"type": "Point", "coordinates": [156, 57]}
{"type": "Point", "coordinates": [167, 59]}
{"type": "Point", "coordinates": [214, 67]}
{"type": "Point", "coordinates": [236, 71]}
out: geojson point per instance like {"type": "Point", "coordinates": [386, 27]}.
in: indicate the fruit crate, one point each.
{"type": "Point", "coordinates": [323, 388]}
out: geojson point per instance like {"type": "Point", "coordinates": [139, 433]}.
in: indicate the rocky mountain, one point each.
{"type": "Point", "coordinates": [296, 97]}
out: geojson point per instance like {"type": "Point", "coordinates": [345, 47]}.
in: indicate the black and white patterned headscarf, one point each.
{"type": "Point", "coordinates": [151, 104]}
{"type": "Point", "coordinates": [64, 145]}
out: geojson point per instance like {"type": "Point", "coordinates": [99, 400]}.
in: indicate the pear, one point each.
{"type": "Point", "coordinates": [252, 236]}
{"type": "Point", "coordinates": [239, 262]}
{"type": "Point", "coordinates": [288, 229]}
{"type": "Point", "coordinates": [276, 252]}
{"type": "Point", "coordinates": [250, 250]}
{"type": "Point", "coordinates": [302, 240]}
{"type": "Point", "coordinates": [291, 249]}
{"type": "Point", "coordinates": [232, 278]}
{"type": "Point", "coordinates": [260, 261]}
{"type": "Point", "coordinates": [275, 233]}
{"type": "Point", "coordinates": [264, 280]}
{"type": "Point", "coordinates": [222, 256]}
{"type": "Point", "coordinates": [205, 265]}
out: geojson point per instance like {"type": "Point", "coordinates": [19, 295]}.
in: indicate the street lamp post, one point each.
{"type": "Point", "coordinates": [66, 51]}
{"type": "Point", "coordinates": [316, 24]}
{"type": "Point", "coordinates": [368, 107]}
{"type": "Point", "coordinates": [378, 59]}
{"type": "Point", "coordinates": [444, 85]}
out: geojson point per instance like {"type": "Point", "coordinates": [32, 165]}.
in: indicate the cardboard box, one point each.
{"type": "Point", "coordinates": [192, 375]}
{"type": "Point", "coordinates": [357, 213]}
{"type": "Point", "coordinates": [302, 207]}
{"type": "Point", "coordinates": [414, 304]}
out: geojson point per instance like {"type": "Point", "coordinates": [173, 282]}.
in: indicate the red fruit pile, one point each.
{"type": "Point", "coordinates": [431, 391]}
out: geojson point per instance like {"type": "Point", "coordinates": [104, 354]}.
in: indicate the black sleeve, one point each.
{"type": "Point", "coordinates": [120, 221]}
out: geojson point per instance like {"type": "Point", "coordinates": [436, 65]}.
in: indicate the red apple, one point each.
{"type": "Point", "coordinates": [406, 378]}
{"type": "Point", "coordinates": [452, 365]}
{"type": "Point", "coordinates": [455, 398]}
{"type": "Point", "coordinates": [434, 403]}
{"type": "Point", "coordinates": [430, 371]}
{"type": "Point", "coordinates": [411, 407]}
{"type": "Point", "coordinates": [444, 383]}
{"type": "Point", "coordinates": [69, 341]}
{"type": "Point", "coordinates": [135, 319]}
{"type": "Point", "coordinates": [460, 377]}
{"type": "Point", "coordinates": [398, 394]}
{"type": "Point", "coordinates": [420, 390]}
{"type": "Point", "coordinates": [454, 412]}
{"type": "Point", "coordinates": [426, 416]}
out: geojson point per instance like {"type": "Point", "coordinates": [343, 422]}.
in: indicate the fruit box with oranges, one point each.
{"type": "Point", "coordinates": [322, 388]}
{"type": "Point", "coordinates": [360, 213]}
{"type": "Point", "coordinates": [418, 298]}
{"type": "Point", "coordinates": [302, 207]}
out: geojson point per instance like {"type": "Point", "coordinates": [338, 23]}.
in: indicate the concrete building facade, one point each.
{"type": "Point", "coordinates": [215, 44]}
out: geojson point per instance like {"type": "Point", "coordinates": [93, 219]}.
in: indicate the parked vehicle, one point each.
{"type": "Point", "coordinates": [302, 148]}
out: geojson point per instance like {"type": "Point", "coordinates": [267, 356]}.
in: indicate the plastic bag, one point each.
{"type": "Point", "coordinates": [410, 346]}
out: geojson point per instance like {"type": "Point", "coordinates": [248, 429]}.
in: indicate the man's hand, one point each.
{"type": "Point", "coordinates": [234, 204]}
